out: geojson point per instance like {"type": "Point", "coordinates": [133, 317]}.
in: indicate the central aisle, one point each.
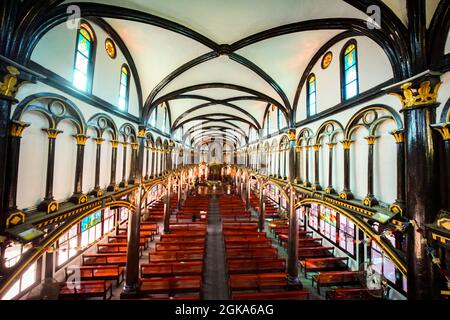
{"type": "Point", "coordinates": [215, 284]}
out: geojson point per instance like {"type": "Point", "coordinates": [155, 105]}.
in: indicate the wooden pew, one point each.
{"type": "Point", "coordinates": [279, 295]}
{"type": "Point", "coordinates": [250, 244]}
{"type": "Point", "coordinates": [315, 252]}
{"type": "Point", "coordinates": [245, 254]}
{"type": "Point", "coordinates": [258, 282]}
{"type": "Point", "coordinates": [85, 289]}
{"type": "Point", "coordinates": [181, 246]}
{"type": "Point", "coordinates": [171, 286]}
{"type": "Point", "coordinates": [256, 266]}
{"type": "Point", "coordinates": [352, 294]}
{"type": "Point", "coordinates": [101, 259]}
{"type": "Point", "coordinates": [116, 248]}
{"type": "Point", "coordinates": [174, 269]}
{"type": "Point", "coordinates": [165, 257]}
{"type": "Point", "coordinates": [335, 278]}
{"type": "Point", "coordinates": [182, 235]}
{"type": "Point", "coordinates": [87, 273]}
{"type": "Point", "coordinates": [124, 239]}
{"type": "Point", "coordinates": [324, 264]}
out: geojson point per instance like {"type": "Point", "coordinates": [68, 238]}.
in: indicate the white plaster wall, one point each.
{"type": "Point", "coordinates": [444, 94]}
{"type": "Point", "coordinates": [373, 67]}
{"type": "Point", "coordinates": [358, 164]}
{"type": "Point", "coordinates": [32, 162]}
{"type": "Point", "coordinates": [56, 52]}
{"type": "Point", "coordinates": [65, 162]}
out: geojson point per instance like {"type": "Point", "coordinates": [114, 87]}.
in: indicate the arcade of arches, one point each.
{"type": "Point", "coordinates": [206, 150]}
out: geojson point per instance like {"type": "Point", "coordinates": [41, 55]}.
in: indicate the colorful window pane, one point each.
{"type": "Point", "coordinates": [124, 86]}
{"type": "Point", "coordinates": [83, 59]}
{"type": "Point", "coordinates": [350, 72]}
{"type": "Point", "coordinates": [311, 103]}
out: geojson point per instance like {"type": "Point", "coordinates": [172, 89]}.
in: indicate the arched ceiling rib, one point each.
{"type": "Point", "coordinates": [203, 55]}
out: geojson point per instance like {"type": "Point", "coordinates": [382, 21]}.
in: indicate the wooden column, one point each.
{"type": "Point", "coordinates": [444, 131]}
{"type": "Point", "coordinates": [147, 163]}
{"type": "Point", "coordinates": [261, 207]}
{"type": "Point", "coordinates": [78, 197]}
{"type": "Point", "coordinates": [124, 182]}
{"type": "Point", "coordinates": [370, 199]}
{"type": "Point", "coordinates": [316, 186]}
{"type": "Point", "coordinates": [98, 154]}
{"type": "Point", "coordinates": [298, 155]}
{"type": "Point", "coordinates": [16, 129]}
{"type": "Point", "coordinates": [153, 173]}
{"type": "Point", "coordinates": [292, 259]}
{"type": "Point", "coordinates": [134, 223]}
{"type": "Point", "coordinates": [280, 153]}
{"type": "Point", "coordinates": [346, 194]}
{"type": "Point", "coordinates": [307, 183]}
{"type": "Point", "coordinates": [285, 169]}
{"type": "Point", "coordinates": [49, 204]}
{"type": "Point", "coordinates": [112, 183]}
{"type": "Point", "coordinates": [419, 108]}
{"type": "Point", "coordinates": [133, 166]}
{"type": "Point", "coordinates": [399, 205]}
{"type": "Point", "coordinates": [167, 206]}
{"type": "Point", "coordinates": [330, 189]}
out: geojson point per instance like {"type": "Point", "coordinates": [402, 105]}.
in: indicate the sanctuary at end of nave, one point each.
{"type": "Point", "coordinates": [225, 150]}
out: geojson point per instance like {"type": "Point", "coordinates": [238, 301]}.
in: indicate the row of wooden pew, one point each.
{"type": "Point", "coordinates": [254, 269]}
{"type": "Point", "coordinates": [320, 261]}
{"type": "Point", "coordinates": [98, 271]}
{"type": "Point", "coordinates": [175, 264]}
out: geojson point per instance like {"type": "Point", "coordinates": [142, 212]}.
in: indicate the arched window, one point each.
{"type": "Point", "coordinates": [153, 117]}
{"type": "Point", "coordinates": [311, 96]}
{"type": "Point", "coordinates": [84, 59]}
{"type": "Point", "coordinates": [124, 88]}
{"type": "Point", "coordinates": [350, 85]}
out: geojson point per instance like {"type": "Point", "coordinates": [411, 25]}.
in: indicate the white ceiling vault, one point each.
{"type": "Point", "coordinates": [226, 91]}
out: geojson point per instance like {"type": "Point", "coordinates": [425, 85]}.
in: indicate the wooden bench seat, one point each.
{"type": "Point", "coordinates": [116, 248]}
{"type": "Point", "coordinates": [85, 289]}
{"type": "Point", "coordinates": [182, 246]}
{"type": "Point", "coordinates": [324, 264]}
{"type": "Point", "coordinates": [190, 297]}
{"type": "Point", "coordinates": [181, 235]}
{"type": "Point", "coordinates": [352, 294]}
{"type": "Point", "coordinates": [264, 253]}
{"type": "Point", "coordinates": [246, 237]}
{"type": "Point", "coordinates": [172, 269]}
{"type": "Point", "coordinates": [315, 252]}
{"type": "Point", "coordinates": [246, 244]}
{"type": "Point", "coordinates": [112, 272]}
{"type": "Point", "coordinates": [283, 238]}
{"type": "Point", "coordinates": [165, 257]}
{"type": "Point", "coordinates": [335, 278]}
{"type": "Point", "coordinates": [278, 295]}
{"type": "Point", "coordinates": [258, 282]}
{"type": "Point", "coordinates": [124, 239]}
{"type": "Point", "coordinates": [171, 286]}
{"type": "Point", "coordinates": [102, 259]}
{"type": "Point", "coordinates": [238, 233]}
{"type": "Point", "coordinates": [256, 266]}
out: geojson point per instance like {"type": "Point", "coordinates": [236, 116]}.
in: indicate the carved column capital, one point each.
{"type": "Point", "coordinates": [16, 128]}
{"type": "Point", "coordinates": [52, 132]}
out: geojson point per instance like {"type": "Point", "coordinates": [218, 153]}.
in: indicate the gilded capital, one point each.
{"type": "Point", "coordinates": [141, 133]}
{"type": "Point", "coordinates": [135, 146]}
{"type": "Point", "coordinates": [347, 144]}
{"type": "Point", "coordinates": [292, 135]}
{"type": "Point", "coordinates": [371, 140]}
{"type": "Point", "coordinates": [99, 140]}
{"type": "Point", "coordinates": [115, 144]}
{"type": "Point", "coordinates": [52, 132]}
{"type": "Point", "coordinates": [10, 83]}
{"type": "Point", "coordinates": [412, 95]}
{"type": "Point", "coordinates": [81, 139]}
{"type": "Point", "coordinates": [331, 145]}
{"type": "Point", "coordinates": [444, 130]}
{"type": "Point", "coordinates": [16, 128]}
{"type": "Point", "coordinates": [399, 136]}
{"type": "Point", "coordinates": [317, 147]}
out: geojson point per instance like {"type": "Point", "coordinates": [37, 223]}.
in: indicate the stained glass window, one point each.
{"type": "Point", "coordinates": [124, 88]}
{"type": "Point", "coordinates": [83, 59]}
{"type": "Point", "coordinates": [350, 81]}
{"type": "Point", "coordinates": [311, 103]}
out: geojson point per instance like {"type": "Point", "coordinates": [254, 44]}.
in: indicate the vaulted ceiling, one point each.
{"type": "Point", "coordinates": [224, 62]}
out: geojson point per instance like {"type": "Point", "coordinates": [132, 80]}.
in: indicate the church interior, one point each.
{"type": "Point", "coordinates": [225, 150]}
